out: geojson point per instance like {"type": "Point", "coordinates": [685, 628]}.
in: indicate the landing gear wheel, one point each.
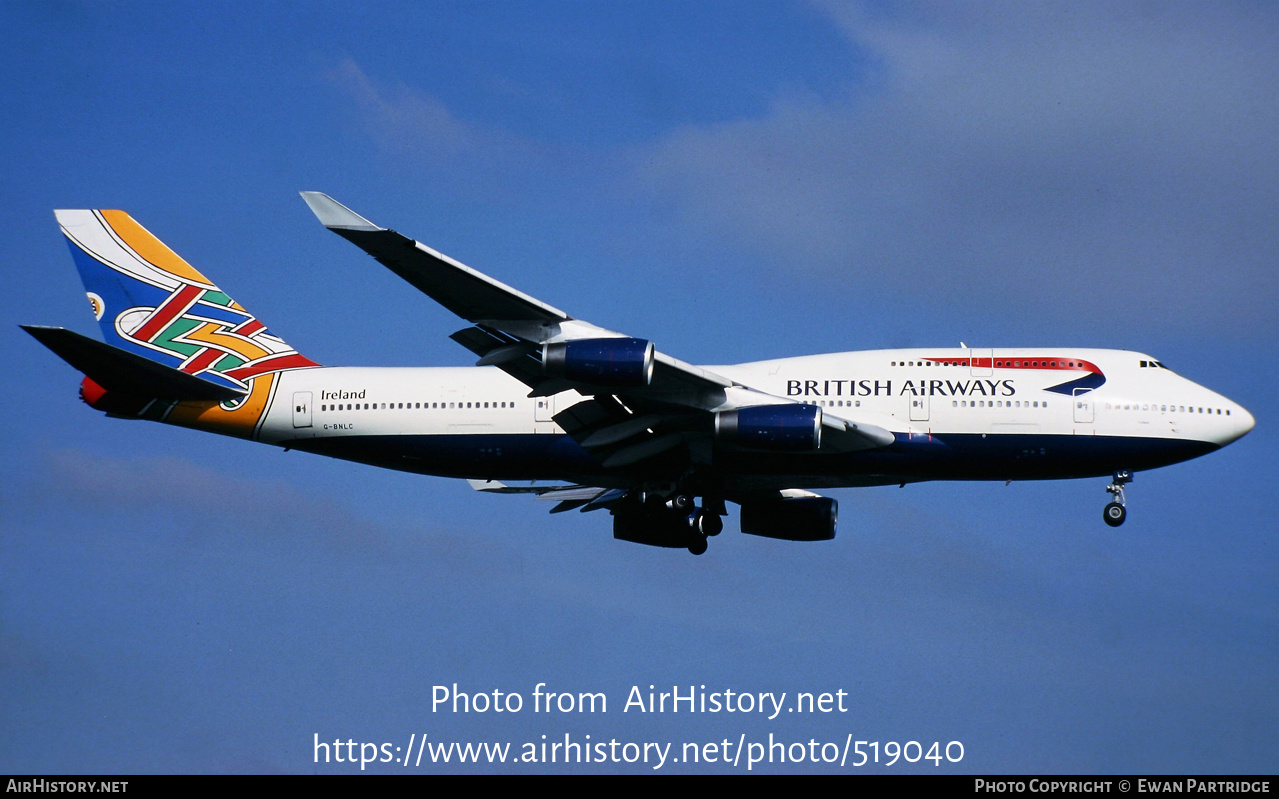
{"type": "Point", "coordinates": [709, 523]}
{"type": "Point", "coordinates": [697, 546]}
{"type": "Point", "coordinates": [680, 502]}
{"type": "Point", "coordinates": [1115, 514]}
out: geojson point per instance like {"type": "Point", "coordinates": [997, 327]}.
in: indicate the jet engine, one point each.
{"type": "Point", "coordinates": [601, 361]}
{"type": "Point", "coordinates": [785, 428]}
{"type": "Point", "coordinates": [656, 530]}
{"type": "Point", "coordinates": [791, 518]}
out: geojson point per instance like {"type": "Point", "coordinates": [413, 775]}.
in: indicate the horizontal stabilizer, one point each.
{"type": "Point", "coordinates": [119, 371]}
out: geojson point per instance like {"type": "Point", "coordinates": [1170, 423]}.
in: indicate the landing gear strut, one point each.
{"type": "Point", "coordinates": [1115, 511]}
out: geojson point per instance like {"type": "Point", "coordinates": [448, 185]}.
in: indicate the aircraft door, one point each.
{"type": "Point", "coordinates": [919, 409]}
{"type": "Point", "coordinates": [301, 409]}
{"type": "Point", "coordinates": [544, 408]}
{"type": "Point", "coordinates": [981, 362]}
{"type": "Point", "coordinates": [1083, 406]}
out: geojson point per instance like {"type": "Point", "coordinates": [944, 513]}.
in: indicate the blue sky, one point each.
{"type": "Point", "coordinates": [735, 181]}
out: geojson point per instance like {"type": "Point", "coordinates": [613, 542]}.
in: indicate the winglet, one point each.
{"type": "Point", "coordinates": [334, 215]}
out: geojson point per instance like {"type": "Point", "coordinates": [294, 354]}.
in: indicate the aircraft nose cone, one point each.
{"type": "Point", "coordinates": [1246, 422]}
{"type": "Point", "coordinates": [1240, 423]}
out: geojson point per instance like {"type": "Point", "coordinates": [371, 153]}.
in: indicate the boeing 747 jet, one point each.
{"type": "Point", "coordinates": [593, 419]}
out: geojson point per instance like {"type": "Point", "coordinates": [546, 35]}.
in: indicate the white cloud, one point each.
{"type": "Point", "coordinates": [412, 124]}
{"type": "Point", "coordinates": [1093, 163]}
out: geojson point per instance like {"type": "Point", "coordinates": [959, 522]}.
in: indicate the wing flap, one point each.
{"type": "Point", "coordinates": [526, 368]}
{"type": "Point", "coordinates": [566, 497]}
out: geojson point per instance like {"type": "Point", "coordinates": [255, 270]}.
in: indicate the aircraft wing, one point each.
{"type": "Point", "coordinates": [668, 405]}
{"type": "Point", "coordinates": [510, 324]}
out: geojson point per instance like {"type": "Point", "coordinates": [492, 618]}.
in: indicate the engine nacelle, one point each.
{"type": "Point", "coordinates": [784, 428]}
{"type": "Point", "coordinates": [792, 518]}
{"type": "Point", "coordinates": [601, 361]}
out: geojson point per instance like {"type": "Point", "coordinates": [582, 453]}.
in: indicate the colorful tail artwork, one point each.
{"type": "Point", "coordinates": [150, 302]}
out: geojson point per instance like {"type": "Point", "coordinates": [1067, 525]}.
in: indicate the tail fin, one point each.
{"type": "Point", "coordinates": [151, 302]}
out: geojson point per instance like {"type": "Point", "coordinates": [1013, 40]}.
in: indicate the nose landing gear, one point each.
{"type": "Point", "coordinates": [1116, 511]}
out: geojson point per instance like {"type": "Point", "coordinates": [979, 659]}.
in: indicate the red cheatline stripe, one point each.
{"type": "Point", "coordinates": [1049, 363]}
{"type": "Point", "coordinates": [272, 363]}
{"type": "Point", "coordinates": [169, 310]}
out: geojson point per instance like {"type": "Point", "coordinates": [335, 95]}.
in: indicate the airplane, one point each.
{"type": "Point", "coordinates": [593, 419]}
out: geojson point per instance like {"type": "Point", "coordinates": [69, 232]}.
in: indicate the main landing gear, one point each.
{"type": "Point", "coordinates": [1115, 511]}
{"type": "Point", "coordinates": [669, 521]}
{"type": "Point", "coordinates": [704, 523]}
{"type": "Point", "coordinates": [692, 525]}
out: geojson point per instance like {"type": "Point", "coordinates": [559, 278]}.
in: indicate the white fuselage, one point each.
{"type": "Point", "coordinates": [998, 414]}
